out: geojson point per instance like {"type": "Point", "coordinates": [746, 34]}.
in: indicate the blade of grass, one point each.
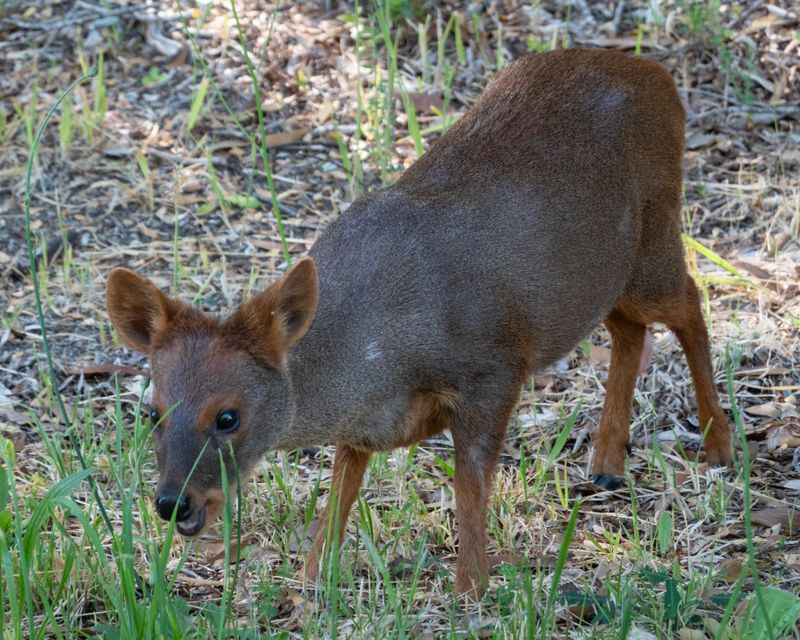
{"type": "Point", "coordinates": [561, 562]}
{"type": "Point", "coordinates": [714, 257]}
{"type": "Point", "coordinates": [748, 522]}
{"type": "Point", "coordinates": [37, 294]}
{"type": "Point", "coordinates": [197, 103]}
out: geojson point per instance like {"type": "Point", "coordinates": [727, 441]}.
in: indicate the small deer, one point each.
{"type": "Point", "coordinates": [551, 206]}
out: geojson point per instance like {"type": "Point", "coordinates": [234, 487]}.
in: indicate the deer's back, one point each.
{"type": "Point", "coordinates": [518, 230]}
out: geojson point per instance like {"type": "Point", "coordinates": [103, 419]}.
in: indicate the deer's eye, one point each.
{"type": "Point", "coordinates": [155, 416]}
{"type": "Point", "coordinates": [227, 420]}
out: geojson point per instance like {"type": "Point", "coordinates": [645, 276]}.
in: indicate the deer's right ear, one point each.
{"type": "Point", "coordinates": [137, 308]}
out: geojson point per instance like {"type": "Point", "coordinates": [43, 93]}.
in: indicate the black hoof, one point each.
{"type": "Point", "coordinates": [609, 483]}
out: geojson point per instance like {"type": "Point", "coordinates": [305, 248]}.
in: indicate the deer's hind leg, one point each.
{"type": "Point", "coordinates": [659, 290]}
{"type": "Point", "coordinates": [682, 313]}
{"type": "Point", "coordinates": [686, 320]}
{"type": "Point", "coordinates": [627, 341]}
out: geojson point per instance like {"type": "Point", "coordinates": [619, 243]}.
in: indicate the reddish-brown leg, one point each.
{"type": "Point", "coordinates": [627, 340]}
{"type": "Point", "coordinates": [688, 324]}
{"type": "Point", "coordinates": [348, 470]}
{"type": "Point", "coordinates": [477, 449]}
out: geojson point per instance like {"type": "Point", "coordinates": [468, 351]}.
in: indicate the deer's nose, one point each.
{"type": "Point", "coordinates": [166, 503]}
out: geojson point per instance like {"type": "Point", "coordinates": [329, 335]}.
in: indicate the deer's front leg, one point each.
{"type": "Point", "coordinates": [476, 459]}
{"type": "Point", "coordinates": [348, 470]}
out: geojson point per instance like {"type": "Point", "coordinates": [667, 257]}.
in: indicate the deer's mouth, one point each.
{"type": "Point", "coordinates": [194, 524]}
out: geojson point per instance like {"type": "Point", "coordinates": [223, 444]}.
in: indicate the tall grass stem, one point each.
{"type": "Point", "coordinates": [37, 294]}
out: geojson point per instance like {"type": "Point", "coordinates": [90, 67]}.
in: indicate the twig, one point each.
{"type": "Point", "coordinates": [618, 11]}
{"type": "Point", "coordinates": [745, 14]}
{"type": "Point", "coordinates": [80, 19]}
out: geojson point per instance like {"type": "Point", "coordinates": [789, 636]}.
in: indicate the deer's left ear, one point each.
{"type": "Point", "coordinates": [273, 320]}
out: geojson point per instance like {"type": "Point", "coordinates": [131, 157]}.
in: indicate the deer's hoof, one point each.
{"type": "Point", "coordinates": [609, 483]}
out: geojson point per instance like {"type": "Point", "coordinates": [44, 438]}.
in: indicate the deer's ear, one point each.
{"type": "Point", "coordinates": [137, 308]}
{"type": "Point", "coordinates": [273, 320]}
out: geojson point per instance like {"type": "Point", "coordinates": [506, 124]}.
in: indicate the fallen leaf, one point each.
{"type": "Point", "coordinates": [637, 633]}
{"type": "Point", "coordinates": [214, 551]}
{"type": "Point", "coordinates": [425, 102]}
{"type": "Point", "coordinates": [325, 111]}
{"type": "Point", "coordinates": [286, 137]}
{"type": "Point", "coordinates": [619, 42]}
{"type": "Point", "coordinates": [293, 610]}
{"type": "Point", "coordinates": [5, 395]}
{"type": "Point", "coordinates": [498, 559]}
{"type": "Point", "coordinates": [769, 409]}
{"type": "Point", "coordinates": [15, 434]}
{"type": "Point", "coordinates": [730, 570]}
{"type": "Point", "coordinates": [701, 140]}
{"type": "Point", "coordinates": [786, 517]}
{"type": "Point", "coordinates": [600, 355]}
{"type": "Point", "coordinates": [787, 436]}
{"type": "Point", "coordinates": [757, 271]}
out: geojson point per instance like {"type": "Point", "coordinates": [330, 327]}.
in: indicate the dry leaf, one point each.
{"type": "Point", "coordinates": [15, 434]}
{"type": "Point", "coordinates": [325, 111]}
{"type": "Point", "coordinates": [214, 552]}
{"type": "Point", "coordinates": [786, 517]}
{"type": "Point", "coordinates": [785, 436]}
{"type": "Point", "coordinates": [286, 137]}
{"type": "Point", "coordinates": [600, 355]}
{"type": "Point", "coordinates": [758, 272]}
{"type": "Point", "coordinates": [730, 570]}
{"type": "Point", "coordinates": [5, 395]}
{"type": "Point", "coordinates": [425, 102]}
{"type": "Point", "coordinates": [769, 409]}
{"type": "Point", "coordinates": [293, 611]}
{"type": "Point", "coordinates": [700, 140]}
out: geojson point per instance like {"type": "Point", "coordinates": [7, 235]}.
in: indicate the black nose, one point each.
{"type": "Point", "coordinates": [166, 503]}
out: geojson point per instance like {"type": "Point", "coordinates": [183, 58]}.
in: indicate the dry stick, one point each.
{"type": "Point", "coordinates": [38, 297]}
{"type": "Point", "coordinates": [105, 14]}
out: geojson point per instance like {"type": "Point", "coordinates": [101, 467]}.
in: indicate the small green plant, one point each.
{"type": "Point", "coordinates": [153, 76]}
{"type": "Point", "coordinates": [27, 114]}
{"type": "Point", "coordinates": [100, 99]}
{"type": "Point", "coordinates": [197, 103]}
{"type": "Point", "coordinates": [144, 168]}
{"type": "Point", "coordinates": [535, 44]}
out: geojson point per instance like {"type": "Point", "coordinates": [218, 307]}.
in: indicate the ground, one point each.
{"type": "Point", "coordinates": [156, 164]}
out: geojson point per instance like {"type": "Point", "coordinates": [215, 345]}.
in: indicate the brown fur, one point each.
{"type": "Point", "coordinates": [551, 206]}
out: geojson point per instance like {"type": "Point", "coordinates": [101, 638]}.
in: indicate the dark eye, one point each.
{"type": "Point", "coordinates": [228, 420]}
{"type": "Point", "coordinates": [155, 416]}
